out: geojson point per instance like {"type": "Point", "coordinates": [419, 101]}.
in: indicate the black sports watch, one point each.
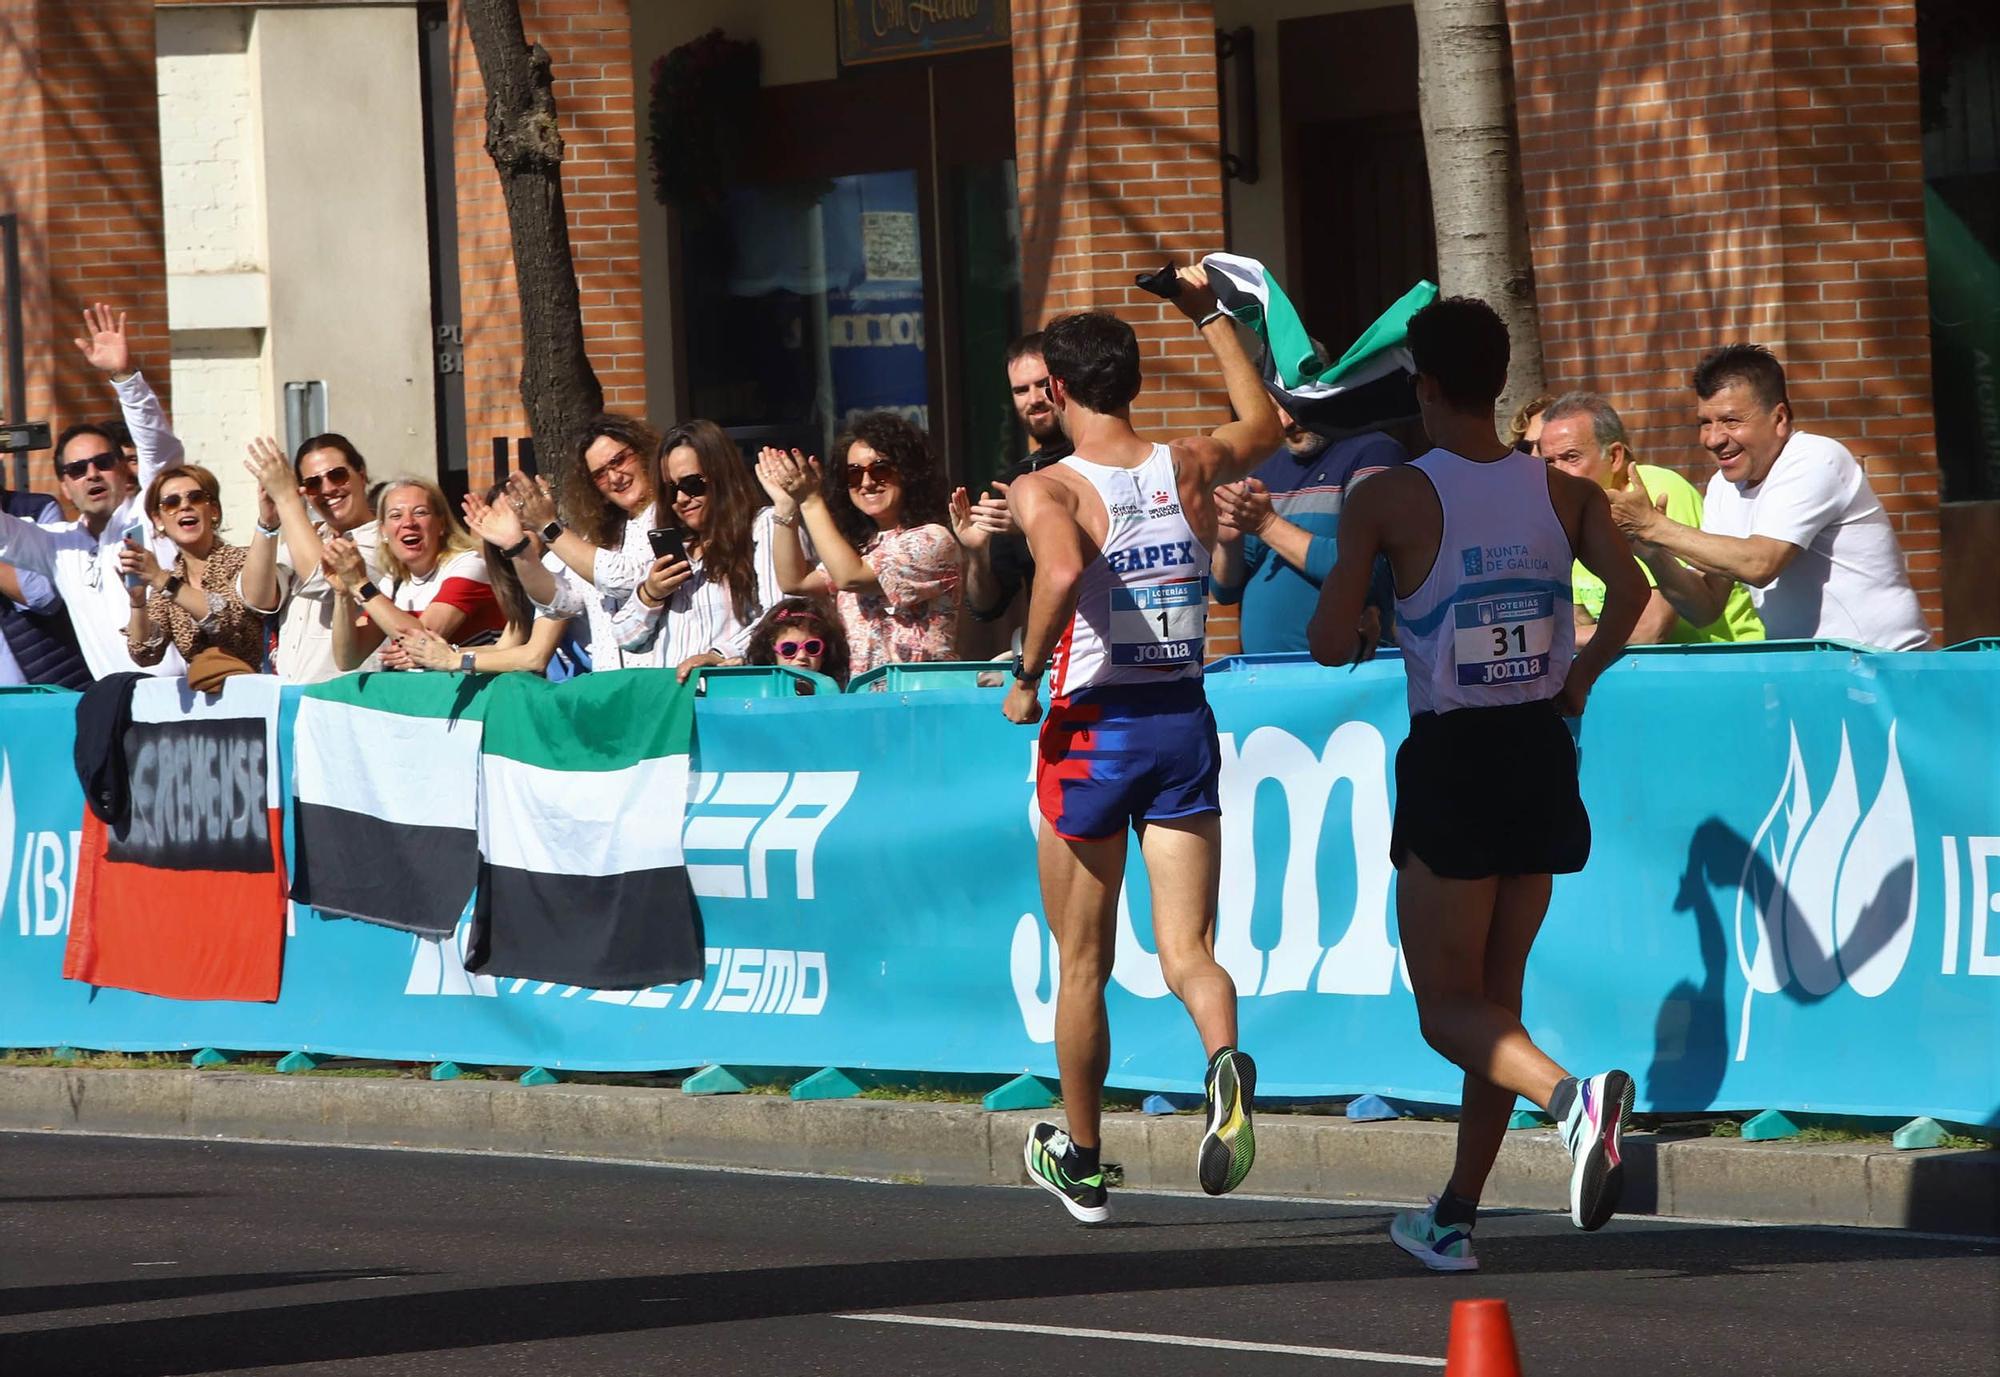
{"type": "Point", "coordinates": [551, 531]}
{"type": "Point", "coordinates": [516, 550]}
{"type": "Point", "coordinates": [366, 592]}
{"type": "Point", "coordinates": [172, 587]}
{"type": "Point", "coordinates": [1021, 671]}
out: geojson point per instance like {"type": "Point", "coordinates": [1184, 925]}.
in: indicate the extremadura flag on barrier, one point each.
{"type": "Point", "coordinates": [184, 894]}
{"type": "Point", "coordinates": [560, 805]}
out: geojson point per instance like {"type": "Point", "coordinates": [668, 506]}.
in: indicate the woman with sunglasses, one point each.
{"type": "Point", "coordinates": [596, 550]}
{"type": "Point", "coordinates": [281, 576]}
{"type": "Point", "coordinates": [697, 607]}
{"type": "Point", "coordinates": [194, 604]}
{"type": "Point", "coordinates": [887, 560]}
{"type": "Point", "coordinates": [434, 575]}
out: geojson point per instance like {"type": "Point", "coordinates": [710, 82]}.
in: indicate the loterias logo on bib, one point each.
{"type": "Point", "coordinates": [1828, 895]}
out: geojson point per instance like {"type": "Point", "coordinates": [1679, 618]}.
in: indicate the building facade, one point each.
{"type": "Point", "coordinates": [295, 201]}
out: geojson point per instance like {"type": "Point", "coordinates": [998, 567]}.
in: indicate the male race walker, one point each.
{"type": "Point", "coordinates": [1120, 532]}
{"type": "Point", "coordinates": [1480, 539]}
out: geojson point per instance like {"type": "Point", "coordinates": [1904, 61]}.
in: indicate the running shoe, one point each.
{"type": "Point", "coordinates": [1592, 1131]}
{"type": "Point", "coordinates": [1051, 1159]}
{"type": "Point", "coordinates": [1440, 1247]}
{"type": "Point", "coordinates": [1230, 1144]}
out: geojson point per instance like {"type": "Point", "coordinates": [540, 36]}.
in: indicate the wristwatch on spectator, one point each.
{"type": "Point", "coordinates": [172, 587]}
{"type": "Point", "coordinates": [516, 550]}
{"type": "Point", "coordinates": [367, 592]}
{"type": "Point", "coordinates": [465, 662]}
{"type": "Point", "coordinates": [551, 531]}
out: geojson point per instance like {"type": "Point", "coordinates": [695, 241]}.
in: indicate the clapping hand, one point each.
{"type": "Point", "coordinates": [964, 524]}
{"type": "Point", "coordinates": [496, 523]}
{"type": "Point", "coordinates": [267, 464]}
{"type": "Point", "coordinates": [1244, 508]}
{"type": "Point", "coordinates": [531, 498]}
{"type": "Point", "coordinates": [422, 648]}
{"type": "Point", "coordinates": [1636, 511]}
{"type": "Point", "coordinates": [104, 346]}
{"type": "Point", "coordinates": [790, 478]}
{"type": "Point", "coordinates": [340, 560]}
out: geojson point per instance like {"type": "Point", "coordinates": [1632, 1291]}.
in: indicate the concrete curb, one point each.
{"type": "Point", "coordinates": [1941, 1191]}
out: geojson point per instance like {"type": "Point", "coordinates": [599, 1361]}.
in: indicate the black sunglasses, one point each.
{"type": "Point", "coordinates": [103, 463]}
{"type": "Point", "coordinates": [694, 485]}
{"type": "Point", "coordinates": [882, 470]}
{"type": "Point", "coordinates": [173, 500]}
{"type": "Point", "coordinates": [335, 475]}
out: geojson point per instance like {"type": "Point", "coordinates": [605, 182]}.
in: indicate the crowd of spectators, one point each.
{"type": "Point", "coordinates": [677, 551]}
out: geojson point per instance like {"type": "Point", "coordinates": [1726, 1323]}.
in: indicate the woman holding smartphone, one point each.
{"type": "Point", "coordinates": [713, 571]}
{"type": "Point", "coordinates": [194, 604]}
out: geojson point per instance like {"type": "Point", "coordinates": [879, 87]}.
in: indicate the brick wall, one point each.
{"type": "Point", "coordinates": [590, 44]}
{"type": "Point", "coordinates": [81, 167]}
{"type": "Point", "coordinates": [1697, 177]}
{"type": "Point", "coordinates": [1117, 156]}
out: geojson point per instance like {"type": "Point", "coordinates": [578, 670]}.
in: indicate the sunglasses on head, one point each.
{"type": "Point", "coordinates": [173, 501]}
{"type": "Point", "coordinates": [103, 463]}
{"type": "Point", "coordinates": [882, 471]}
{"type": "Point", "coordinates": [694, 485]}
{"type": "Point", "coordinates": [811, 646]}
{"type": "Point", "coordinates": [334, 475]}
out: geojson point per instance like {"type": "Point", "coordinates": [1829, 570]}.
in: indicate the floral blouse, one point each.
{"type": "Point", "coordinates": [915, 615]}
{"type": "Point", "coordinates": [229, 624]}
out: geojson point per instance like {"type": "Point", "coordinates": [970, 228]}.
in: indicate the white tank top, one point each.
{"type": "Point", "coordinates": [1492, 623]}
{"type": "Point", "coordinates": [1142, 604]}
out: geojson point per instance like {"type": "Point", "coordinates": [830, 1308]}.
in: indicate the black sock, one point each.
{"type": "Point", "coordinates": [1453, 1208]}
{"type": "Point", "coordinates": [1561, 1098]}
{"type": "Point", "coordinates": [1086, 1158]}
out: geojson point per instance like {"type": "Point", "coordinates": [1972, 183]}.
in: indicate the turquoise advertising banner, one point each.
{"type": "Point", "coordinates": [1793, 900]}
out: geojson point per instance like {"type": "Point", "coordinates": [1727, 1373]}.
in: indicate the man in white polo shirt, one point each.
{"type": "Point", "coordinates": [1789, 515]}
{"type": "Point", "coordinates": [81, 557]}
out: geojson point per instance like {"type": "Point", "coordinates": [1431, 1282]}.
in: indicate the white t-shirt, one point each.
{"type": "Point", "coordinates": [1847, 582]}
{"type": "Point", "coordinates": [305, 632]}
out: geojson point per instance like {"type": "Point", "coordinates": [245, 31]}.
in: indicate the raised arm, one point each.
{"type": "Point", "coordinates": [105, 347]}
{"type": "Point", "coordinates": [26, 546]}
{"type": "Point", "coordinates": [1247, 441]}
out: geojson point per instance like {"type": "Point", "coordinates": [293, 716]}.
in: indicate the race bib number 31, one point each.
{"type": "Point", "coordinates": [1160, 625]}
{"type": "Point", "coordinates": [1503, 639]}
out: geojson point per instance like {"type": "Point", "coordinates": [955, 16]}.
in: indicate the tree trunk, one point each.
{"type": "Point", "coordinates": [1465, 92]}
{"type": "Point", "coordinates": [558, 386]}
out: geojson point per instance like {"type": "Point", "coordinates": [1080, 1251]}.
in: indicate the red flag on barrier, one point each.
{"type": "Point", "coordinates": [186, 897]}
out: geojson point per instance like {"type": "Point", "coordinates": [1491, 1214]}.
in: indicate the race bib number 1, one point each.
{"type": "Point", "coordinates": [1503, 639]}
{"type": "Point", "coordinates": [1159, 625]}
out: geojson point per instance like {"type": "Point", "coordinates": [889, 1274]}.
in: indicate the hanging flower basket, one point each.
{"type": "Point", "coordinates": [702, 95]}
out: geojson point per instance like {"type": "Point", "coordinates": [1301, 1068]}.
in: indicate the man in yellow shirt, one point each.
{"type": "Point", "coordinates": [1583, 435]}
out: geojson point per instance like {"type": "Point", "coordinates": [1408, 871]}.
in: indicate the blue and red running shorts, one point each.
{"type": "Point", "coordinates": [1127, 753]}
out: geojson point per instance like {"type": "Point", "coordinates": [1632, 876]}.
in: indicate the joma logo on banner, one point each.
{"type": "Point", "coordinates": [1363, 961]}
{"type": "Point", "coordinates": [1828, 895]}
{"type": "Point", "coordinates": [46, 863]}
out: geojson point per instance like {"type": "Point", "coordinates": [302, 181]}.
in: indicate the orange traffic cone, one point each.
{"type": "Point", "coordinates": [1482, 1341]}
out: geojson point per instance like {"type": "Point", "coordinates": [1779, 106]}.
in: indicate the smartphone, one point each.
{"type": "Point", "coordinates": [666, 541]}
{"type": "Point", "coordinates": [136, 533]}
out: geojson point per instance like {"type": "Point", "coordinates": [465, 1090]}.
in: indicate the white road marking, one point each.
{"type": "Point", "coordinates": [1353, 1355]}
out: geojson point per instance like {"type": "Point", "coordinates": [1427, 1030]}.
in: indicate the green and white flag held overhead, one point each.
{"type": "Point", "coordinates": [1367, 386]}
{"type": "Point", "coordinates": [556, 808]}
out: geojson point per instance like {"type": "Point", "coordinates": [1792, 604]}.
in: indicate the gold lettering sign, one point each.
{"type": "Point", "coordinates": [882, 30]}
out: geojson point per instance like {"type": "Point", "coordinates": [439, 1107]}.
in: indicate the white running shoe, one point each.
{"type": "Point", "coordinates": [1592, 1131]}
{"type": "Point", "coordinates": [1440, 1247]}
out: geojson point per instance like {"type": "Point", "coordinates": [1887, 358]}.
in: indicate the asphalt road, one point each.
{"type": "Point", "coordinates": [122, 1257]}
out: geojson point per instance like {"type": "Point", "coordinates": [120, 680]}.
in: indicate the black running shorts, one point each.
{"type": "Point", "coordinates": [1490, 791]}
